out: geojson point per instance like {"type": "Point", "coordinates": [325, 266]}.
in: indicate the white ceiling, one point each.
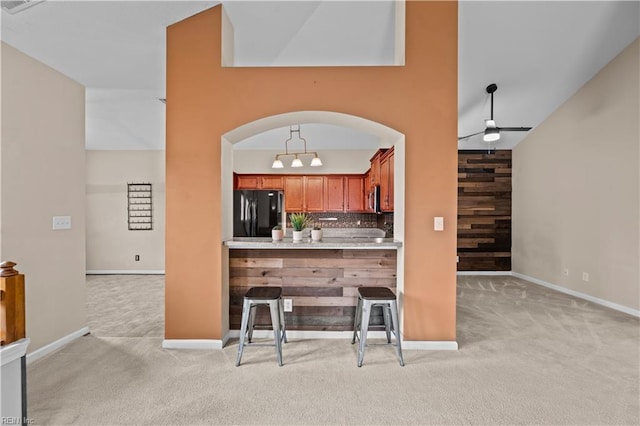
{"type": "Point", "coordinates": [538, 53]}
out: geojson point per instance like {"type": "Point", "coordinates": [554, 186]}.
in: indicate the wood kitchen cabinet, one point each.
{"type": "Point", "coordinates": [386, 181]}
{"type": "Point", "coordinates": [294, 193]}
{"type": "Point", "coordinates": [258, 182]}
{"type": "Point", "coordinates": [271, 182]}
{"type": "Point", "coordinates": [354, 193]}
{"type": "Point", "coordinates": [246, 181]}
{"type": "Point", "coordinates": [314, 193]}
{"type": "Point", "coordinates": [375, 167]}
{"type": "Point", "coordinates": [334, 194]}
{"type": "Point", "coordinates": [304, 193]}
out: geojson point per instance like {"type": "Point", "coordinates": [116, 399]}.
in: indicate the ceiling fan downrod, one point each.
{"type": "Point", "coordinates": [490, 89]}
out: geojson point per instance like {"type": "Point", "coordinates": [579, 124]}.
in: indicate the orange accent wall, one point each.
{"type": "Point", "coordinates": [204, 101]}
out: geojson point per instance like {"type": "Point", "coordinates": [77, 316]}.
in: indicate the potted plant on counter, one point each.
{"type": "Point", "coordinates": [316, 233]}
{"type": "Point", "coordinates": [299, 221]}
{"type": "Point", "coordinates": [277, 233]}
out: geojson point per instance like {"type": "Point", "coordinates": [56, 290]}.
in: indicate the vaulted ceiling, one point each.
{"type": "Point", "coordinates": [538, 53]}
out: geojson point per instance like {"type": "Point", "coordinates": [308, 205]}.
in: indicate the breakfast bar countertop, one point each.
{"type": "Point", "coordinates": [326, 243]}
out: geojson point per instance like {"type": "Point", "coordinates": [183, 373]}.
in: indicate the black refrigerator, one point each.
{"type": "Point", "coordinates": [256, 212]}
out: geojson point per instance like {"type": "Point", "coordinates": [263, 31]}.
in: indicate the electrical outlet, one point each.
{"type": "Point", "coordinates": [585, 276]}
{"type": "Point", "coordinates": [61, 222]}
{"type": "Point", "coordinates": [288, 305]}
{"type": "Point", "coordinates": [565, 272]}
{"type": "Point", "coordinates": [137, 258]}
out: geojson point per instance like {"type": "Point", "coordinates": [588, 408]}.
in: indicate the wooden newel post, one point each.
{"type": "Point", "coordinates": [12, 313]}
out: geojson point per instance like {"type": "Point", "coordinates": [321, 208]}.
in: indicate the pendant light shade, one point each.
{"type": "Point", "coordinates": [316, 162]}
{"type": "Point", "coordinates": [277, 163]}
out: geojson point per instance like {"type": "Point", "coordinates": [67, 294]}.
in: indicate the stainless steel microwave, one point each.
{"type": "Point", "coordinates": [374, 199]}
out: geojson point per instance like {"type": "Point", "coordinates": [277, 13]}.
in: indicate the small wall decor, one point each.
{"type": "Point", "coordinates": [140, 206]}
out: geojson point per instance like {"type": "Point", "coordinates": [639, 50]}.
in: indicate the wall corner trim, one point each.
{"type": "Point", "coordinates": [430, 345]}
{"type": "Point", "coordinates": [193, 343]}
{"type": "Point", "coordinates": [54, 346]}
{"type": "Point", "coordinates": [593, 299]}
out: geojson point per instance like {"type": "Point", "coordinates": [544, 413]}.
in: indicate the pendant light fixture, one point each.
{"type": "Point", "coordinates": [297, 162]}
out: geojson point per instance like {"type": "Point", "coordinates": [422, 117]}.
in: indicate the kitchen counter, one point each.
{"type": "Point", "coordinates": [321, 278]}
{"type": "Point", "coordinates": [347, 243]}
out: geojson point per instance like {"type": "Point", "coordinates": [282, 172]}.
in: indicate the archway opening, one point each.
{"type": "Point", "coordinates": [388, 137]}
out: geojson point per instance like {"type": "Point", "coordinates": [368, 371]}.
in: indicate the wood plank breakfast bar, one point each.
{"type": "Point", "coordinates": [321, 277]}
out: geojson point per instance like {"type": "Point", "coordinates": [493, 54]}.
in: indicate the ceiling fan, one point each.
{"type": "Point", "coordinates": [491, 131]}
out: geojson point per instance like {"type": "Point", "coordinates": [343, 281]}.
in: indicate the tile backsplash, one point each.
{"type": "Point", "coordinates": [352, 220]}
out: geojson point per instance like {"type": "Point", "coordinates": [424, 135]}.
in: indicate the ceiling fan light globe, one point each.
{"type": "Point", "coordinates": [491, 135]}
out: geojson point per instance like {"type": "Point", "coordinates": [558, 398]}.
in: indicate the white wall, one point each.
{"type": "Point", "coordinates": [43, 175]}
{"type": "Point", "coordinates": [576, 189]}
{"type": "Point", "coordinates": [110, 245]}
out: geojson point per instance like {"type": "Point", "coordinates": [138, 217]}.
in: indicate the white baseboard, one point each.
{"type": "Point", "coordinates": [483, 273]}
{"type": "Point", "coordinates": [192, 344]}
{"type": "Point", "coordinates": [52, 347]}
{"type": "Point", "coordinates": [430, 345]}
{"type": "Point", "coordinates": [124, 272]}
{"type": "Point", "coordinates": [596, 300]}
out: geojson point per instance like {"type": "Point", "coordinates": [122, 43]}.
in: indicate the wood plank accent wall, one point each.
{"type": "Point", "coordinates": [484, 210]}
{"type": "Point", "coordinates": [322, 283]}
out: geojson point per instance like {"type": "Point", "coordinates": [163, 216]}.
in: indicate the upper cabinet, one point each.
{"type": "Point", "coordinates": [304, 193]}
{"type": "Point", "coordinates": [354, 193]}
{"type": "Point", "coordinates": [329, 193]}
{"type": "Point", "coordinates": [334, 193]}
{"type": "Point", "coordinates": [386, 181]}
{"type": "Point", "coordinates": [258, 182]}
{"type": "Point", "coordinates": [344, 193]}
{"type": "Point", "coordinates": [313, 193]}
{"type": "Point", "coordinates": [271, 182]}
{"type": "Point", "coordinates": [375, 167]}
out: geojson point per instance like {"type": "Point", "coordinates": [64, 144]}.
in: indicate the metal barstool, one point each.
{"type": "Point", "coordinates": [368, 297]}
{"type": "Point", "coordinates": [271, 296]}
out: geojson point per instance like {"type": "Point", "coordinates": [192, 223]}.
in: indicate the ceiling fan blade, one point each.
{"type": "Point", "coordinates": [514, 129]}
{"type": "Point", "coordinates": [472, 134]}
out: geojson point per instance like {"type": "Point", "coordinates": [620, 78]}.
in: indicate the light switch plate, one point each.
{"type": "Point", "coordinates": [438, 223]}
{"type": "Point", "coordinates": [61, 222]}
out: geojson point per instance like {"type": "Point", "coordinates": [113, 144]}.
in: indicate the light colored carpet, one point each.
{"type": "Point", "coordinates": [528, 355]}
